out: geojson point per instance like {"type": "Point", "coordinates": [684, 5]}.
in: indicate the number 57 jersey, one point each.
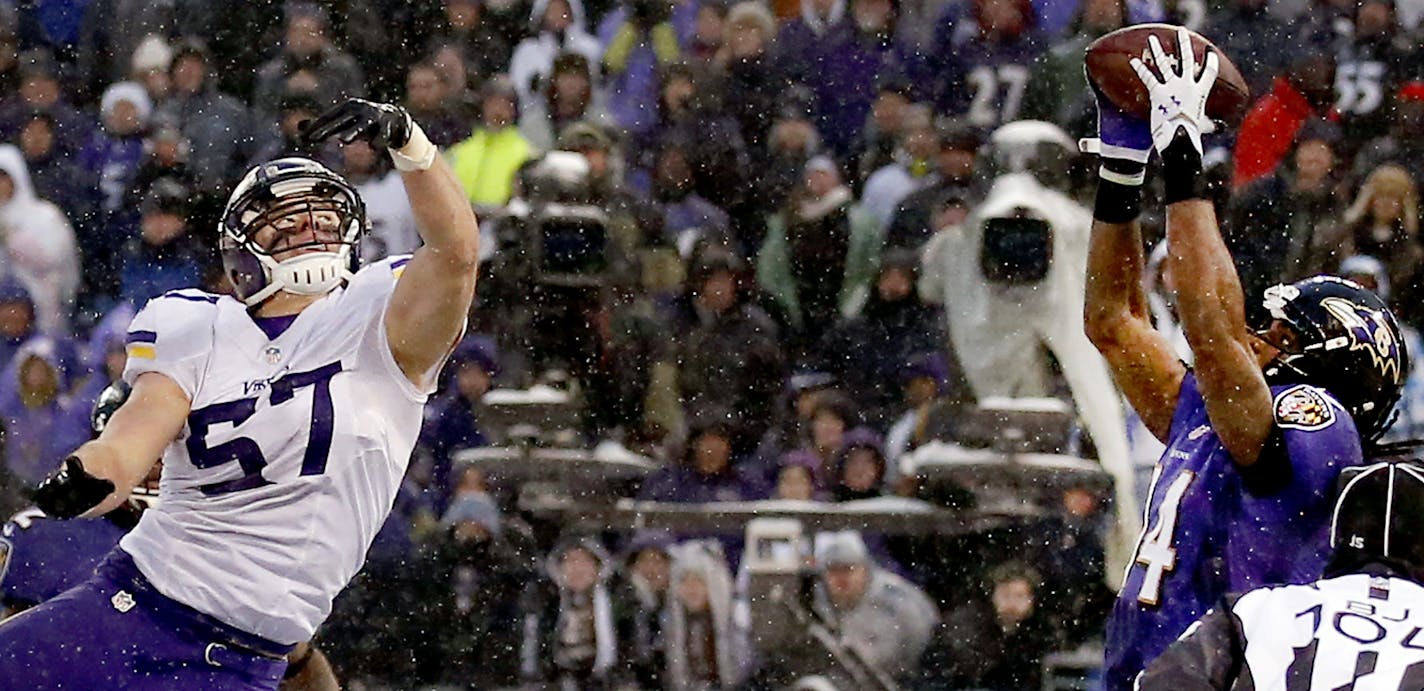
{"type": "Point", "coordinates": [290, 458]}
{"type": "Point", "coordinates": [1209, 530]}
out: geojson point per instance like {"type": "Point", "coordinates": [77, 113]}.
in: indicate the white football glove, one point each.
{"type": "Point", "coordinates": [1179, 96]}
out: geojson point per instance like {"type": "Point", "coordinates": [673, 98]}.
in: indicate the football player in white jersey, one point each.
{"type": "Point", "coordinates": [285, 419]}
{"type": "Point", "coordinates": [1361, 627]}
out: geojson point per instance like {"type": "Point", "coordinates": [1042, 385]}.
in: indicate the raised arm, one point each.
{"type": "Point", "coordinates": [432, 298]}
{"type": "Point", "coordinates": [98, 477]}
{"type": "Point", "coordinates": [1210, 305]}
{"type": "Point", "coordinates": [1115, 314]}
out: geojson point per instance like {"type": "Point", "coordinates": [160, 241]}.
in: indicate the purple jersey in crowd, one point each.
{"type": "Point", "coordinates": [1207, 534]}
{"type": "Point", "coordinates": [41, 557]}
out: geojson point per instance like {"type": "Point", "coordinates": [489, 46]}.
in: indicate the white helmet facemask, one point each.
{"type": "Point", "coordinates": [291, 195]}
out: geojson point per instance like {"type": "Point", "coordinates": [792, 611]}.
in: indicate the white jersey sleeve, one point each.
{"type": "Point", "coordinates": [173, 335]}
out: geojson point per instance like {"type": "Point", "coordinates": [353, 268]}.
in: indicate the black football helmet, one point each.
{"type": "Point", "coordinates": [109, 401]}
{"type": "Point", "coordinates": [1379, 517]}
{"type": "Point", "coordinates": [1349, 344]}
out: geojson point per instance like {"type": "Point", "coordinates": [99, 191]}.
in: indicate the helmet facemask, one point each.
{"type": "Point", "coordinates": [294, 230]}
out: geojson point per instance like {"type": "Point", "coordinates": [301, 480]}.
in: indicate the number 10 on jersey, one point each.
{"type": "Point", "coordinates": [1155, 551]}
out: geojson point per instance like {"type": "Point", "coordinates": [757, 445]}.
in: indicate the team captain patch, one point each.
{"type": "Point", "coordinates": [1302, 407]}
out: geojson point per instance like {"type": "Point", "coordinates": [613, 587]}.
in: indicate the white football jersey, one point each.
{"type": "Point", "coordinates": [290, 459]}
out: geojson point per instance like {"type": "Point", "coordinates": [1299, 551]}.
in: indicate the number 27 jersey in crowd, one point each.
{"type": "Point", "coordinates": [290, 458]}
{"type": "Point", "coordinates": [1206, 533]}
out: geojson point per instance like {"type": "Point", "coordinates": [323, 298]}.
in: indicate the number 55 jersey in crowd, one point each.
{"type": "Point", "coordinates": [1209, 530]}
{"type": "Point", "coordinates": [291, 456]}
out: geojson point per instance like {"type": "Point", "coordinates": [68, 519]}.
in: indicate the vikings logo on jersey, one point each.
{"type": "Point", "coordinates": [1367, 330]}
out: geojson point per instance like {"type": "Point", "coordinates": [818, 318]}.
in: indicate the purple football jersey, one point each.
{"type": "Point", "coordinates": [1206, 534]}
{"type": "Point", "coordinates": [41, 557]}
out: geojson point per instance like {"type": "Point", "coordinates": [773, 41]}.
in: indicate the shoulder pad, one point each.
{"type": "Point", "coordinates": [1305, 408]}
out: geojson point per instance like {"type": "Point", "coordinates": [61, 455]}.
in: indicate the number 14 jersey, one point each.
{"type": "Point", "coordinates": [1206, 533]}
{"type": "Point", "coordinates": [291, 456]}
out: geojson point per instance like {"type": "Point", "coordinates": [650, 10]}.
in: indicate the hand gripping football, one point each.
{"type": "Point", "coordinates": [1108, 66]}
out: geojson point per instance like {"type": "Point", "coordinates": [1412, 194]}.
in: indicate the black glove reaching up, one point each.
{"type": "Point", "coordinates": [384, 125]}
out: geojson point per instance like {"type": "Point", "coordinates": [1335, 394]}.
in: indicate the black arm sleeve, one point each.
{"type": "Point", "coordinates": [1208, 657]}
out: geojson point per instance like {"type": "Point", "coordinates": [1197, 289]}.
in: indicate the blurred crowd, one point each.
{"type": "Point", "coordinates": [735, 233]}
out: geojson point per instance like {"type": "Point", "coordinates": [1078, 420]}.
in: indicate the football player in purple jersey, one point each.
{"type": "Point", "coordinates": [1259, 428]}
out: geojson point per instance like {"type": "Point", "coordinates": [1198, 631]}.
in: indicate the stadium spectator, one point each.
{"type": "Point", "coordinates": [1055, 90]}
{"type": "Point", "coordinates": [998, 644]}
{"type": "Point", "coordinates": [859, 468]}
{"type": "Point", "coordinates": [1250, 34]}
{"type": "Point", "coordinates": [689, 220]}
{"type": "Point", "coordinates": [566, 96]}
{"type": "Point", "coordinates": [40, 91]}
{"type": "Point", "coordinates": [1272, 224]}
{"type": "Point", "coordinates": [981, 57]}
{"type": "Point", "coordinates": [834, 415]}
{"type": "Point", "coordinates": [149, 67]}
{"type": "Point", "coordinates": [484, 49]}
{"type": "Point", "coordinates": [38, 246]}
{"type": "Point", "coordinates": [909, 170]}
{"type": "Point", "coordinates": [754, 83]}
{"type": "Point", "coordinates": [868, 351]}
{"type": "Point", "coordinates": [112, 156]}
{"type": "Point", "coordinates": [880, 137]}
{"type": "Point", "coordinates": [17, 317]}
{"type": "Point", "coordinates": [799, 477]}
{"type": "Point", "coordinates": [38, 415]}
{"type": "Point", "coordinates": [638, 43]}
{"type": "Point", "coordinates": [56, 174]}
{"type": "Point", "coordinates": [728, 353]}
{"type": "Point", "coordinates": [1304, 90]}
{"type": "Point", "coordinates": [927, 381]}
{"type": "Point", "coordinates": [841, 49]}
{"type": "Point", "coordinates": [706, 648]}
{"type": "Point", "coordinates": [954, 177]}
{"type": "Point", "coordinates": [452, 420]}
{"type": "Point", "coordinates": [1371, 66]}
{"type": "Point", "coordinates": [647, 575]}
{"type": "Point", "coordinates": [1383, 222]}
{"type": "Point", "coordinates": [571, 630]}
{"type": "Point", "coordinates": [430, 102]}
{"type": "Point", "coordinates": [886, 620]}
{"type": "Point", "coordinates": [556, 26]}
{"type": "Point", "coordinates": [162, 257]}
{"type": "Point", "coordinates": [308, 62]}
{"type": "Point", "coordinates": [707, 471]}
{"type": "Point", "coordinates": [222, 134]}
{"type": "Point", "coordinates": [487, 161]}
{"type": "Point", "coordinates": [474, 575]}
{"type": "Point", "coordinates": [709, 31]}
{"type": "Point", "coordinates": [819, 253]}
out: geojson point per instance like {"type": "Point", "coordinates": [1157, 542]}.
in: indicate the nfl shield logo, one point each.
{"type": "Point", "coordinates": [122, 601]}
{"type": "Point", "coordinates": [273, 354]}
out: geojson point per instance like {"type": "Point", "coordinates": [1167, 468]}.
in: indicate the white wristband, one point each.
{"type": "Point", "coordinates": [1133, 180]}
{"type": "Point", "coordinates": [417, 154]}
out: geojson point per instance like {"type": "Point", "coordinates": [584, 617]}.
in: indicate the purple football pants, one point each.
{"type": "Point", "coordinates": [116, 631]}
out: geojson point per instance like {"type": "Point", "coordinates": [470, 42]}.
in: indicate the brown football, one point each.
{"type": "Point", "coordinates": [1108, 62]}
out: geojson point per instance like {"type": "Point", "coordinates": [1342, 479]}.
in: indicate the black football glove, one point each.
{"type": "Point", "coordinates": [71, 490]}
{"type": "Point", "coordinates": [382, 124]}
